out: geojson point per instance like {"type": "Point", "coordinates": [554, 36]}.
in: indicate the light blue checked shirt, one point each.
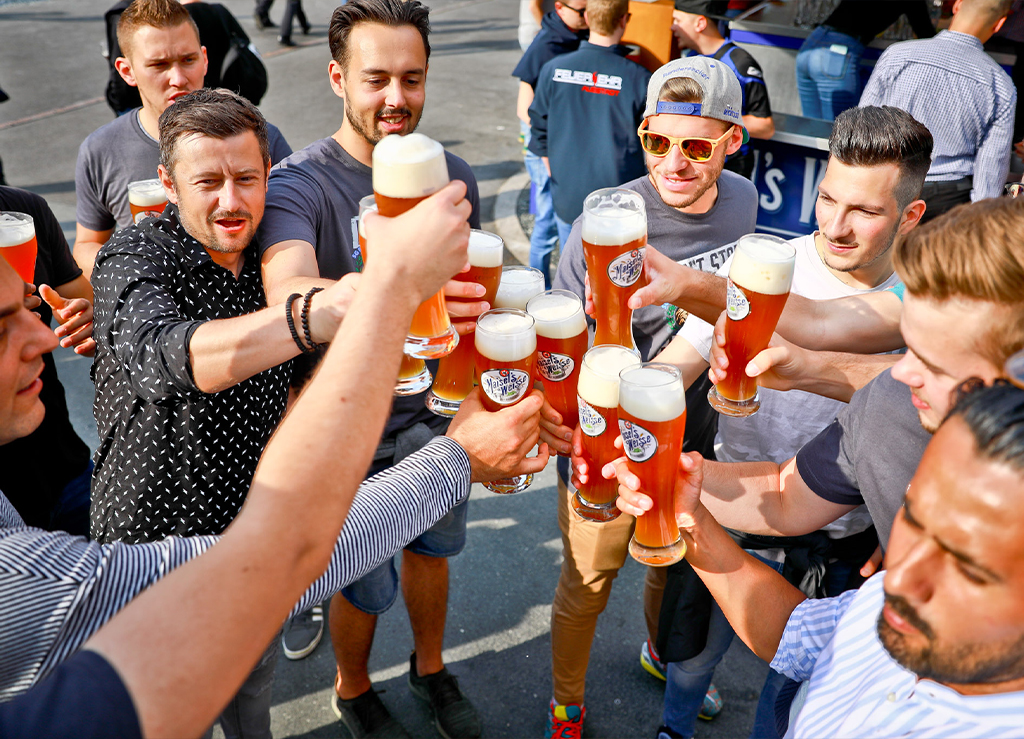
{"type": "Point", "coordinates": [857, 690]}
{"type": "Point", "coordinates": [964, 98]}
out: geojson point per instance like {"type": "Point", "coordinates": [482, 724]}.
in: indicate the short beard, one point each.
{"type": "Point", "coordinates": [826, 257]}
{"type": "Point", "coordinates": [374, 135]}
{"type": "Point", "coordinates": [697, 196]}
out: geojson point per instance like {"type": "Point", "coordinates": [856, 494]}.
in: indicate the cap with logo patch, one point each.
{"type": "Point", "coordinates": [708, 8]}
{"type": "Point", "coordinates": [721, 96]}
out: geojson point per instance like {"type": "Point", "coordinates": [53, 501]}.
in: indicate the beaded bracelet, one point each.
{"type": "Point", "coordinates": [291, 321]}
{"type": "Point", "coordinates": [306, 302]}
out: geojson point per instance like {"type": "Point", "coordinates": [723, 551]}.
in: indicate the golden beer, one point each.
{"type": "Point", "coordinates": [18, 245]}
{"type": "Point", "coordinates": [614, 240]}
{"type": "Point", "coordinates": [598, 399]}
{"type": "Point", "coordinates": [146, 198]}
{"type": "Point", "coordinates": [519, 285]}
{"type": "Point", "coordinates": [407, 170]}
{"type": "Point", "coordinates": [561, 344]}
{"type": "Point", "coordinates": [760, 276]}
{"type": "Point", "coordinates": [652, 420]}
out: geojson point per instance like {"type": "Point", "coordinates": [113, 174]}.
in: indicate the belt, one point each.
{"type": "Point", "coordinates": [961, 185]}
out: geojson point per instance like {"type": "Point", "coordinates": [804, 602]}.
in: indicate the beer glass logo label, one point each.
{"type": "Point", "coordinates": [505, 386]}
{"type": "Point", "coordinates": [737, 306]}
{"type": "Point", "coordinates": [145, 214]}
{"type": "Point", "coordinates": [592, 422]}
{"type": "Point", "coordinates": [625, 269]}
{"type": "Point", "coordinates": [640, 444]}
{"type": "Point", "coordinates": [554, 367]}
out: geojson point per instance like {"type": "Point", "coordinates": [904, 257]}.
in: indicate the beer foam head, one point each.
{"type": "Point", "coordinates": [485, 249]}
{"type": "Point", "coordinates": [653, 392]}
{"type": "Point", "coordinates": [599, 375]}
{"type": "Point", "coordinates": [408, 166]}
{"type": "Point", "coordinates": [614, 216]}
{"type": "Point", "coordinates": [763, 264]}
{"type": "Point", "coordinates": [146, 193]}
{"type": "Point", "coordinates": [559, 314]}
{"type": "Point", "coordinates": [518, 286]}
{"type": "Point", "coordinates": [505, 336]}
{"type": "Point", "coordinates": [16, 229]}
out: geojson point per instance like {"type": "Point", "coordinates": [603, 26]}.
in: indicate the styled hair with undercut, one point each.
{"type": "Point", "coordinates": [155, 13]}
{"type": "Point", "coordinates": [604, 16]}
{"type": "Point", "coordinates": [393, 13]}
{"type": "Point", "coordinates": [218, 113]}
{"type": "Point", "coordinates": [869, 136]}
{"type": "Point", "coordinates": [995, 416]}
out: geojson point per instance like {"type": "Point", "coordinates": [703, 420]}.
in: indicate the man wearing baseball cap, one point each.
{"type": "Point", "coordinates": [695, 213]}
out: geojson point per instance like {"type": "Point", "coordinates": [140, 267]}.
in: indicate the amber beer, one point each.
{"type": "Point", "coordinates": [652, 418]}
{"type": "Point", "coordinates": [455, 372]}
{"type": "Point", "coordinates": [413, 375]}
{"type": "Point", "coordinates": [406, 170]}
{"type": "Point", "coordinates": [598, 399]}
{"type": "Point", "coordinates": [614, 239]}
{"type": "Point", "coordinates": [506, 345]}
{"type": "Point", "coordinates": [18, 243]}
{"type": "Point", "coordinates": [146, 198]}
{"type": "Point", "coordinates": [519, 285]}
{"type": "Point", "coordinates": [561, 344]}
{"type": "Point", "coordinates": [760, 276]}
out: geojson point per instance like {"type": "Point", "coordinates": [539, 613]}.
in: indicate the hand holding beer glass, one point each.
{"type": "Point", "coordinates": [146, 198]}
{"type": "Point", "coordinates": [18, 243]}
{"type": "Point", "coordinates": [652, 420]}
{"type": "Point", "coordinates": [598, 399]}
{"type": "Point", "coordinates": [561, 343]}
{"type": "Point", "coordinates": [760, 277]}
{"type": "Point", "coordinates": [614, 241]}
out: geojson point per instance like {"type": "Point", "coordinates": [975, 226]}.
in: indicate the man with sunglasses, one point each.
{"type": "Point", "coordinates": [695, 212]}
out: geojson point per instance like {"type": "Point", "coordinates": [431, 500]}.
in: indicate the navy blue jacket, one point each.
{"type": "Point", "coordinates": [584, 117]}
{"type": "Point", "coordinates": [555, 38]}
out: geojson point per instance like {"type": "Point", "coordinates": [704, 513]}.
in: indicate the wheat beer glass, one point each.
{"type": "Point", "coordinates": [413, 375]}
{"type": "Point", "coordinates": [652, 418]}
{"type": "Point", "coordinates": [506, 348]}
{"type": "Point", "coordinates": [146, 198]}
{"type": "Point", "coordinates": [561, 344]}
{"type": "Point", "coordinates": [406, 170]}
{"type": "Point", "coordinates": [598, 399]}
{"type": "Point", "coordinates": [614, 239]}
{"type": "Point", "coordinates": [759, 280]}
{"type": "Point", "coordinates": [18, 243]}
{"type": "Point", "coordinates": [519, 285]}
{"type": "Point", "coordinates": [454, 377]}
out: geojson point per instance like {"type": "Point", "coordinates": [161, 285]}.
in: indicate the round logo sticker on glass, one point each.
{"type": "Point", "coordinates": [737, 307]}
{"type": "Point", "coordinates": [639, 443]}
{"type": "Point", "coordinates": [592, 423]}
{"type": "Point", "coordinates": [554, 367]}
{"type": "Point", "coordinates": [625, 269]}
{"type": "Point", "coordinates": [505, 386]}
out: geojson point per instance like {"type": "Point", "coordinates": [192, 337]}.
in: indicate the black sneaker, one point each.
{"type": "Point", "coordinates": [366, 717]}
{"type": "Point", "coordinates": [454, 715]}
{"type": "Point", "coordinates": [303, 632]}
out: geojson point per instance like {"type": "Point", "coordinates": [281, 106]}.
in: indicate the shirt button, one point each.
{"type": "Point", "coordinates": [891, 697]}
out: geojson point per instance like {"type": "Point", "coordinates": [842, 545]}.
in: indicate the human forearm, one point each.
{"type": "Point", "coordinates": [839, 375]}
{"type": "Point", "coordinates": [523, 102]}
{"type": "Point", "coordinates": [759, 128]}
{"type": "Point", "coordinates": [279, 290]}
{"type": "Point", "coordinates": [867, 323]}
{"type": "Point", "coordinates": [85, 255]}
{"type": "Point", "coordinates": [744, 496]}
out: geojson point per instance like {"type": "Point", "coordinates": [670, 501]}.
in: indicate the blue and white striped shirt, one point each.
{"type": "Point", "coordinates": [857, 690]}
{"type": "Point", "coordinates": [965, 99]}
{"type": "Point", "coordinates": [56, 589]}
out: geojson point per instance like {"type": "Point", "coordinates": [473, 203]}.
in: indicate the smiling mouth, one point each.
{"type": "Point", "coordinates": [231, 224]}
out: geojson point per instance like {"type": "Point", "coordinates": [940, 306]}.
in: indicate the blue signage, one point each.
{"type": "Point", "coordinates": [787, 178]}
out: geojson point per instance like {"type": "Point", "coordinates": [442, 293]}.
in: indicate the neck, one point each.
{"type": "Point", "coordinates": [864, 278]}
{"type": "Point", "coordinates": [150, 121]}
{"type": "Point", "coordinates": [708, 43]}
{"type": "Point", "coordinates": [1009, 686]}
{"type": "Point", "coordinates": [598, 39]}
{"type": "Point", "coordinates": [232, 262]}
{"type": "Point", "coordinates": [965, 24]}
{"type": "Point", "coordinates": [354, 145]}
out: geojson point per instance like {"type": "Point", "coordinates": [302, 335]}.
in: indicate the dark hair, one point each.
{"type": "Point", "coordinates": [155, 13]}
{"type": "Point", "coordinates": [871, 135]}
{"type": "Point", "coordinates": [386, 12]}
{"type": "Point", "coordinates": [995, 416]}
{"type": "Point", "coordinates": [218, 113]}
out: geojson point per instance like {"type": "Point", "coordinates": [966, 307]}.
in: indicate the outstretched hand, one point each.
{"type": "Point", "coordinates": [75, 319]}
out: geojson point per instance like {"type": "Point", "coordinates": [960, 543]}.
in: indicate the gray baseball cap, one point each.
{"type": "Point", "coordinates": [721, 93]}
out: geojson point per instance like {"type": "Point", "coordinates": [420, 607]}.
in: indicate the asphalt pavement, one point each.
{"type": "Point", "coordinates": [498, 632]}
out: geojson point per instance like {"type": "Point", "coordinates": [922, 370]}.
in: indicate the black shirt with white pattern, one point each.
{"type": "Point", "coordinates": [172, 459]}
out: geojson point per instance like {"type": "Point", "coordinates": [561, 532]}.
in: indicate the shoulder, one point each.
{"type": "Point", "coordinates": [128, 247]}
{"type": "Point", "coordinates": [732, 185]}
{"type": "Point", "coordinates": [109, 134]}
{"type": "Point", "coordinates": [23, 201]}
{"type": "Point", "coordinates": [745, 65]}
{"type": "Point", "coordinates": [459, 169]}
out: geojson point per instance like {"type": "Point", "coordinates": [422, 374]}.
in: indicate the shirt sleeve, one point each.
{"type": "Point", "coordinates": [539, 116]}
{"type": "Point", "coordinates": [279, 148]}
{"type": "Point", "coordinates": [90, 210]}
{"type": "Point", "coordinates": [810, 627]}
{"type": "Point", "coordinates": [63, 268]}
{"type": "Point", "coordinates": [874, 90]}
{"type": "Point", "coordinates": [992, 162]}
{"type": "Point", "coordinates": [572, 265]}
{"type": "Point", "coordinates": [826, 462]}
{"type": "Point", "coordinates": [292, 200]}
{"type": "Point", "coordinates": [755, 99]}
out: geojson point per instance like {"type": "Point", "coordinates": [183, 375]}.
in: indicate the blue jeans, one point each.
{"type": "Point", "coordinates": [828, 73]}
{"type": "Point", "coordinates": [563, 230]}
{"type": "Point", "coordinates": [545, 235]}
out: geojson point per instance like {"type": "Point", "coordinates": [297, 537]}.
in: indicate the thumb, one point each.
{"type": "Point", "coordinates": [643, 297]}
{"type": "Point", "coordinates": [766, 360]}
{"type": "Point", "coordinates": [52, 297]}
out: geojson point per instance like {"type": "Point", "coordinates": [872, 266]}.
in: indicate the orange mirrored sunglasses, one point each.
{"type": "Point", "coordinates": [694, 148]}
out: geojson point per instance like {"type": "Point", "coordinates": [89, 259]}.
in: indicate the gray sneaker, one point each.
{"type": "Point", "coordinates": [454, 715]}
{"type": "Point", "coordinates": [303, 632]}
{"type": "Point", "coordinates": [366, 717]}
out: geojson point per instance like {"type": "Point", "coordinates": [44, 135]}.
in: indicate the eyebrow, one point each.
{"type": "Point", "coordinates": [9, 310]}
{"type": "Point", "coordinates": [387, 72]}
{"type": "Point", "coordinates": [858, 206]}
{"type": "Point", "coordinates": [966, 559]}
{"type": "Point", "coordinates": [214, 175]}
{"type": "Point", "coordinates": [926, 362]}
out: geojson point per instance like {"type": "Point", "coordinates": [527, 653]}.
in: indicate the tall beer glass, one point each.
{"type": "Point", "coordinates": [561, 344]}
{"type": "Point", "coordinates": [455, 372]}
{"type": "Point", "coordinates": [652, 418]}
{"type": "Point", "coordinates": [598, 398]}
{"type": "Point", "coordinates": [506, 347]}
{"type": "Point", "coordinates": [519, 285]}
{"type": "Point", "coordinates": [406, 170]}
{"type": "Point", "coordinates": [18, 243]}
{"type": "Point", "coordinates": [760, 276]}
{"type": "Point", "coordinates": [413, 375]}
{"type": "Point", "coordinates": [146, 198]}
{"type": "Point", "coordinates": [614, 239]}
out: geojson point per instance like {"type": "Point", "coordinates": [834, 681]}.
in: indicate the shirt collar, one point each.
{"type": "Point", "coordinates": [961, 38]}
{"type": "Point", "coordinates": [188, 247]}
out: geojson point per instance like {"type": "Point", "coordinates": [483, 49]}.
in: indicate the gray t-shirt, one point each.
{"type": "Point", "coordinates": [869, 453]}
{"type": "Point", "coordinates": [121, 152]}
{"type": "Point", "coordinates": [314, 196]}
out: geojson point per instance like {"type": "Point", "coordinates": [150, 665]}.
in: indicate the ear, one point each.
{"type": "Point", "coordinates": [206, 61]}
{"type": "Point", "coordinates": [736, 141]}
{"type": "Point", "coordinates": [168, 183]}
{"type": "Point", "coordinates": [266, 175]}
{"type": "Point", "coordinates": [124, 68]}
{"type": "Point", "coordinates": [912, 215]}
{"type": "Point", "coordinates": [998, 25]}
{"type": "Point", "coordinates": [956, 6]}
{"type": "Point", "coordinates": [337, 77]}
{"type": "Point", "coordinates": [700, 23]}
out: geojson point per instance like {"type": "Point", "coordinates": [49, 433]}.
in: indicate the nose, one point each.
{"type": "Point", "coordinates": [908, 370]}
{"type": "Point", "coordinates": [838, 225]}
{"type": "Point", "coordinates": [396, 95]}
{"type": "Point", "coordinates": [675, 161]}
{"type": "Point", "coordinates": [39, 339]}
{"type": "Point", "coordinates": [913, 576]}
{"type": "Point", "coordinates": [230, 197]}
{"type": "Point", "coordinates": [177, 76]}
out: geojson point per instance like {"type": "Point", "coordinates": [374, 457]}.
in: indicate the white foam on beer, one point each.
{"type": "Point", "coordinates": [485, 249]}
{"type": "Point", "coordinates": [408, 166]}
{"type": "Point", "coordinates": [599, 374]}
{"type": "Point", "coordinates": [146, 193]}
{"type": "Point", "coordinates": [763, 265]}
{"type": "Point", "coordinates": [652, 395]}
{"type": "Point", "coordinates": [505, 337]}
{"type": "Point", "coordinates": [518, 287]}
{"type": "Point", "coordinates": [558, 316]}
{"type": "Point", "coordinates": [15, 231]}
